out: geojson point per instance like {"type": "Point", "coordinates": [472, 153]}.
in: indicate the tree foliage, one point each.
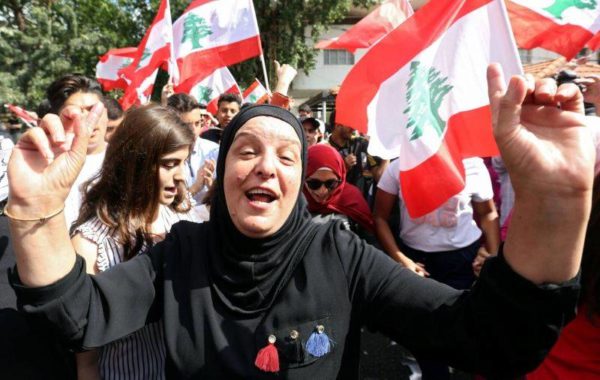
{"type": "Point", "coordinates": [289, 30]}
{"type": "Point", "coordinates": [43, 39]}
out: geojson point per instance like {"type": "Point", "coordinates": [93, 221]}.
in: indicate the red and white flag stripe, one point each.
{"type": "Point", "coordinates": [25, 116]}
{"type": "Point", "coordinates": [371, 28]}
{"type": "Point", "coordinates": [421, 95]}
{"type": "Point", "coordinates": [256, 93]}
{"type": "Point", "coordinates": [155, 50]}
{"type": "Point", "coordinates": [107, 69]}
{"type": "Point", "coordinates": [563, 27]}
{"type": "Point", "coordinates": [212, 34]}
{"type": "Point", "coordinates": [208, 90]}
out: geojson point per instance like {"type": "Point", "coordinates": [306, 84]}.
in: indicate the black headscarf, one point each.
{"type": "Point", "coordinates": [248, 274]}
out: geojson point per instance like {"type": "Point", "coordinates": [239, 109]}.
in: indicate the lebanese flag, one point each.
{"type": "Point", "coordinates": [25, 116]}
{"type": "Point", "coordinates": [155, 50]}
{"type": "Point", "coordinates": [256, 93]}
{"type": "Point", "coordinates": [208, 90]}
{"type": "Point", "coordinates": [371, 28]}
{"type": "Point", "coordinates": [421, 95]}
{"type": "Point", "coordinates": [594, 43]}
{"type": "Point", "coordinates": [563, 27]}
{"type": "Point", "coordinates": [212, 34]}
{"type": "Point", "coordinates": [107, 69]}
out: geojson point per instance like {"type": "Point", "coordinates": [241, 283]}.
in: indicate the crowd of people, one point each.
{"type": "Point", "coordinates": [166, 242]}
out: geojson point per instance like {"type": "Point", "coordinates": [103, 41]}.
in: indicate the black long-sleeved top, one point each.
{"type": "Point", "coordinates": [503, 326]}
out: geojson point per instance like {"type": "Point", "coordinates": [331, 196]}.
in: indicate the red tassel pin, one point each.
{"type": "Point", "coordinates": [267, 358]}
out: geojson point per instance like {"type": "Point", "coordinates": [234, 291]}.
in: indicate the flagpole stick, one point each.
{"type": "Point", "coordinates": [511, 35]}
{"type": "Point", "coordinates": [264, 67]}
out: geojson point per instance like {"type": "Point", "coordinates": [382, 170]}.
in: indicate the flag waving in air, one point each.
{"type": "Point", "coordinates": [25, 116]}
{"type": "Point", "coordinates": [371, 28]}
{"type": "Point", "coordinates": [562, 26]}
{"type": "Point", "coordinates": [107, 69]}
{"type": "Point", "coordinates": [155, 50]}
{"type": "Point", "coordinates": [212, 34]}
{"type": "Point", "coordinates": [421, 95]}
{"type": "Point", "coordinates": [208, 90]}
{"type": "Point", "coordinates": [256, 93]}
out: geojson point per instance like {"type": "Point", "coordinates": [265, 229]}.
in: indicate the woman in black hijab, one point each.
{"type": "Point", "coordinates": [261, 289]}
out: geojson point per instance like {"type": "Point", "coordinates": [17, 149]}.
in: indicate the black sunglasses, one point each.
{"type": "Point", "coordinates": [315, 184]}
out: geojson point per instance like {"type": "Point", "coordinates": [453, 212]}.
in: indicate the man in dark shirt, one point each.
{"type": "Point", "coordinates": [362, 168]}
{"type": "Point", "coordinates": [228, 106]}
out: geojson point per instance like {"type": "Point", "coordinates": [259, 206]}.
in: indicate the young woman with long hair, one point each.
{"type": "Point", "coordinates": [132, 203]}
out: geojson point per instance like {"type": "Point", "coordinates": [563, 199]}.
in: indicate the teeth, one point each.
{"type": "Point", "coordinates": [260, 192]}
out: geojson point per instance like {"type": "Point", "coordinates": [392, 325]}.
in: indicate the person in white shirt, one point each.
{"type": "Point", "coordinates": [71, 96]}
{"type": "Point", "coordinates": [443, 244]}
{"type": "Point", "coordinates": [435, 237]}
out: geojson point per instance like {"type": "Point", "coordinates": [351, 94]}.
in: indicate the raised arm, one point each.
{"type": "Point", "coordinates": [548, 151]}
{"type": "Point", "coordinates": [44, 164]}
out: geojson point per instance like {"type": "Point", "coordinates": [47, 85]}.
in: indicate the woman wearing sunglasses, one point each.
{"type": "Point", "coordinates": [327, 192]}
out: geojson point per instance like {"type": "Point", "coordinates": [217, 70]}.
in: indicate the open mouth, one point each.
{"type": "Point", "coordinates": [171, 190]}
{"type": "Point", "coordinates": [260, 195]}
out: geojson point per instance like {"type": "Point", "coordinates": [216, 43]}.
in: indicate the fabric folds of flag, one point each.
{"type": "Point", "coordinates": [562, 26]}
{"type": "Point", "coordinates": [155, 50]}
{"type": "Point", "coordinates": [212, 34]}
{"type": "Point", "coordinates": [256, 93]}
{"type": "Point", "coordinates": [594, 43]}
{"type": "Point", "coordinates": [421, 95]}
{"type": "Point", "coordinates": [25, 116]}
{"type": "Point", "coordinates": [208, 90]}
{"type": "Point", "coordinates": [371, 28]}
{"type": "Point", "coordinates": [107, 69]}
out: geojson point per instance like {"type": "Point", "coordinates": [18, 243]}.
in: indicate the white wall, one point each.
{"type": "Point", "coordinates": [324, 77]}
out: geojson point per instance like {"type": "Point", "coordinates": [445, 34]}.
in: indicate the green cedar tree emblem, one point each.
{"type": "Point", "coordinates": [559, 6]}
{"type": "Point", "coordinates": [126, 62]}
{"type": "Point", "coordinates": [194, 29]}
{"type": "Point", "coordinates": [426, 90]}
{"type": "Point", "coordinates": [252, 98]}
{"type": "Point", "coordinates": [145, 55]}
{"type": "Point", "coordinates": [203, 94]}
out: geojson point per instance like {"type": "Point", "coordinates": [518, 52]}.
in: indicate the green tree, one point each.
{"type": "Point", "coordinates": [194, 29]}
{"type": "Point", "coordinates": [426, 91]}
{"type": "Point", "coordinates": [289, 29]}
{"type": "Point", "coordinates": [43, 39]}
{"type": "Point", "coordinates": [559, 6]}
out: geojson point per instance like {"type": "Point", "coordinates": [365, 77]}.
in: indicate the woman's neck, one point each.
{"type": "Point", "coordinates": [157, 226]}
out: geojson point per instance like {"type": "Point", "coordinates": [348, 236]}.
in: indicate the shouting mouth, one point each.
{"type": "Point", "coordinates": [261, 195]}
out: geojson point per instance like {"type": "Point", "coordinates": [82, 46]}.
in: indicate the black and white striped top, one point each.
{"type": "Point", "coordinates": [6, 147]}
{"type": "Point", "coordinates": [139, 356]}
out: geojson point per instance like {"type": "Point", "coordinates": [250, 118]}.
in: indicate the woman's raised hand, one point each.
{"type": "Point", "coordinates": [542, 135]}
{"type": "Point", "coordinates": [47, 160]}
{"type": "Point", "coordinates": [549, 153]}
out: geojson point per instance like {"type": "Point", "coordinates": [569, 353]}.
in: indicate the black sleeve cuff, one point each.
{"type": "Point", "coordinates": [559, 300]}
{"type": "Point", "coordinates": [41, 295]}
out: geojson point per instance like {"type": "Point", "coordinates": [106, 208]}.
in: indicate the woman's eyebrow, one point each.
{"type": "Point", "coordinates": [253, 137]}
{"type": "Point", "coordinates": [169, 160]}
